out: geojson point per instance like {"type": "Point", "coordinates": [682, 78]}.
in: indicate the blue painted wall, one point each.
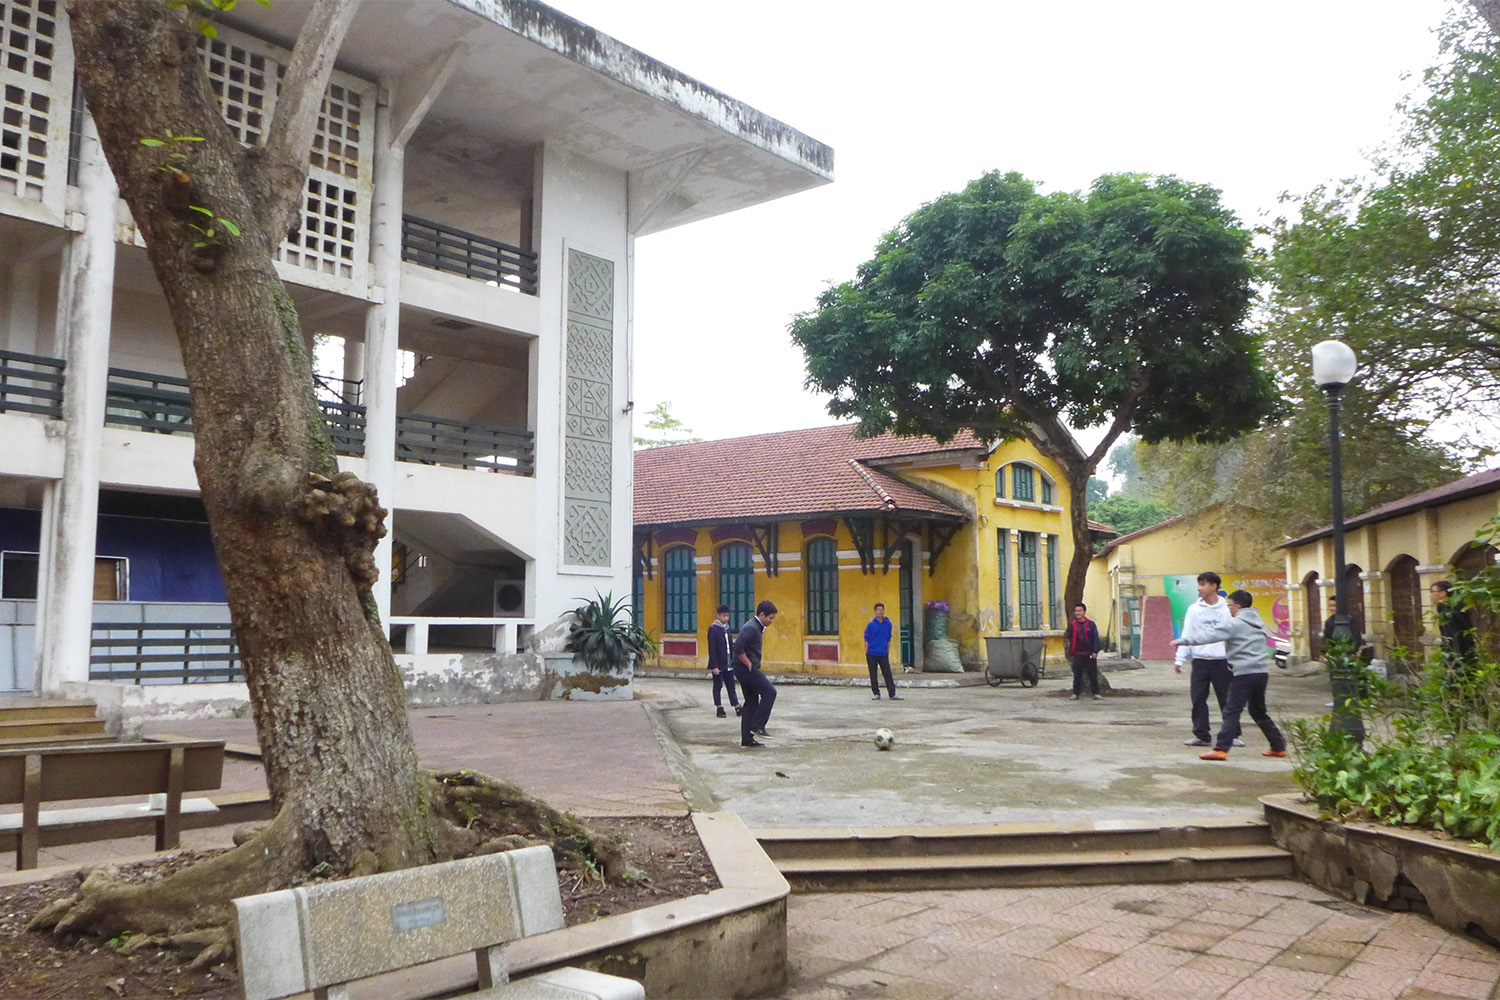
{"type": "Point", "coordinates": [166, 560]}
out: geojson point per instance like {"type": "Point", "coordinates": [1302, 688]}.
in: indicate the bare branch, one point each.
{"type": "Point", "coordinates": [290, 135]}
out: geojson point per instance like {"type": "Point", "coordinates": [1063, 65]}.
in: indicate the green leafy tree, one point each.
{"type": "Point", "coordinates": [1405, 266]}
{"type": "Point", "coordinates": [1000, 310]}
{"type": "Point", "coordinates": [1098, 489]}
{"type": "Point", "coordinates": [1126, 514]}
{"type": "Point", "coordinates": [666, 428]}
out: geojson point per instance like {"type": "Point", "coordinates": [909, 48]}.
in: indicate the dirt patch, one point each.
{"type": "Point", "coordinates": [665, 851]}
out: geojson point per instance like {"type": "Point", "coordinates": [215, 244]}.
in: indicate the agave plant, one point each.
{"type": "Point", "coordinates": [604, 635]}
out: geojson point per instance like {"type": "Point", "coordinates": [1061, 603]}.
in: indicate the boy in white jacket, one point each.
{"type": "Point", "coordinates": [1244, 638]}
{"type": "Point", "coordinates": [1210, 670]}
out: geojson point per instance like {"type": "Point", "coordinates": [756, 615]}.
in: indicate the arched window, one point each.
{"type": "Point", "coordinates": [681, 578]}
{"type": "Point", "coordinates": [1354, 596]}
{"type": "Point", "coordinates": [1312, 596]}
{"type": "Point", "coordinates": [1406, 604]}
{"type": "Point", "coordinates": [737, 582]}
{"type": "Point", "coordinates": [1022, 482]}
{"type": "Point", "coordinates": [822, 587]}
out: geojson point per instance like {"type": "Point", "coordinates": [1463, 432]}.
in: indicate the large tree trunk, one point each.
{"type": "Point", "coordinates": [294, 539]}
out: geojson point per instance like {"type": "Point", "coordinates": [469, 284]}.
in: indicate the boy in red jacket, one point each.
{"type": "Point", "coordinates": [1081, 641]}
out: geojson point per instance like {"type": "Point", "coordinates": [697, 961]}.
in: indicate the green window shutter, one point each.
{"type": "Point", "coordinates": [682, 590]}
{"type": "Point", "coordinates": [1004, 578]}
{"type": "Point", "coordinates": [1030, 609]}
{"type": "Point", "coordinates": [1046, 490]}
{"type": "Point", "coordinates": [1023, 482]}
{"type": "Point", "coordinates": [1054, 584]}
{"type": "Point", "coordinates": [737, 582]}
{"type": "Point", "coordinates": [822, 587]}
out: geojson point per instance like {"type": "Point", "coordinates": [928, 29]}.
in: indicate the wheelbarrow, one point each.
{"type": "Point", "coordinates": [1015, 658]}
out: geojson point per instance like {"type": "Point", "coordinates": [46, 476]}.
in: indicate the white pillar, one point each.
{"type": "Point", "coordinates": [382, 341]}
{"type": "Point", "coordinates": [63, 639]}
{"type": "Point", "coordinates": [354, 367]}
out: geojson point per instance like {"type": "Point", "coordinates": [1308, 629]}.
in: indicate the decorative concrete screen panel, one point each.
{"type": "Point", "coordinates": [334, 237]}
{"type": "Point", "coordinates": [36, 91]}
{"type": "Point", "coordinates": [588, 421]}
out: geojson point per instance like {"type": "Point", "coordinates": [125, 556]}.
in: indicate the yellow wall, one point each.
{"type": "Point", "coordinates": [1230, 539]}
{"type": "Point", "coordinates": [1434, 537]}
{"type": "Point", "coordinates": [966, 574]}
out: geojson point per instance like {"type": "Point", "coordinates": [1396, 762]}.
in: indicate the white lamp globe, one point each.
{"type": "Point", "coordinates": [1333, 364]}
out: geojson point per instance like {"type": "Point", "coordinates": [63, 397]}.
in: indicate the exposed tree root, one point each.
{"type": "Point", "coordinates": [191, 910]}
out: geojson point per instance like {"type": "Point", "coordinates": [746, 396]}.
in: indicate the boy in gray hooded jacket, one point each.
{"type": "Point", "coordinates": [1244, 638]}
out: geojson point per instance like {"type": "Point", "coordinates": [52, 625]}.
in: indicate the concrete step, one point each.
{"type": "Point", "coordinates": [54, 741]}
{"type": "Point", "coordinates": [989, 871]}
{"type": "Point", "coordinates": [1022, 855]}
{"type": "Point", "coordinates": [1004, 838]}
{"type": "Point", "coordinates": [29, 730]}
{"type": "Point", "coordinates": [23, 709]}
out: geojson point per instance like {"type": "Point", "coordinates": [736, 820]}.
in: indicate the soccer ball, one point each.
{"type": "Point", "coordinates": [884, 739]}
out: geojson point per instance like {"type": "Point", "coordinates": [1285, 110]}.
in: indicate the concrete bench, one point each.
{"type": "Point", "coordinates": [321, 937]}
{"type": "Point", "coordinates": [31, 776]}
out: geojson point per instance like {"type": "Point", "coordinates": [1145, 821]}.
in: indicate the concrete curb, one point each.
{"type": "Point", "coordinates": [695, 788]}
{"type": "Point", "coordinates": [967, 679]}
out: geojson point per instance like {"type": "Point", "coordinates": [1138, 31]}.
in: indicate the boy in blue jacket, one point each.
{"type": "Point", "coordinates": [878, 652]}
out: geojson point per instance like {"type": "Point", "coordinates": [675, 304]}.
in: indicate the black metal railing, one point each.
{"type": "Point", "coordinates": [184, 652]}
{"type": "Point", "coordinates": [30, 384]}
{"type": "Point", "coordinates": [435, 441]}
{"type": "Point", "coordinates": [444, 248]}
{"type": "Point", "coordinates": [156, 403]}
{"type": "Point", "coordinates": [161, 404]}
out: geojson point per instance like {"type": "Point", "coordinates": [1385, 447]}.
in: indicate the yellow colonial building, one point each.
{"type": "Point", "coordinates": [825, 525]}
{"type": "Point", "coordinates": [1140, 585]}
{"type": "Point", "coordinates": [1392, 554]}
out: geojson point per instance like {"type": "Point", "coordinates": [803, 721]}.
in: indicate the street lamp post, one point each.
{"type": "Point", "coordinates": [1334, 366]}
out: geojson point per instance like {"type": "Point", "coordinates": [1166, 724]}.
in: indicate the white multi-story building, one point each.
{"type": "Point", "coordinates": [480, 176]}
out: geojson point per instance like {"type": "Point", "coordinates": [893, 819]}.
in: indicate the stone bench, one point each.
{"type": "Point", "coordinates": [30, 776]}
{"type": "Point", "coordinates": [322, 937]}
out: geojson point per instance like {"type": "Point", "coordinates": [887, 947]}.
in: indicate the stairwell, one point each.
{"type": "Point", "coordinates": [1021, 855]}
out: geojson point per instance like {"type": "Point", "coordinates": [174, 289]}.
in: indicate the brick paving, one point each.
{"type": "Point", "coordinates": [1268, 939]}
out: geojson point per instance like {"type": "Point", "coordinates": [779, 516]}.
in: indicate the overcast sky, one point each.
{"type": "Point", "coordinates": [917, 99]}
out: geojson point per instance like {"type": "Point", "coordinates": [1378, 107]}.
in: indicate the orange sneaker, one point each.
{"type": "Point", "coordinates": [1214, 755]}
{"type": "Point", "coordinates": [1273, 753]}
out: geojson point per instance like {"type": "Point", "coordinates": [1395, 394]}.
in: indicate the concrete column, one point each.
{"type": "Point", "coordinates": [63, 637]}
{"type": "Point", "coordinates": [382, 341]}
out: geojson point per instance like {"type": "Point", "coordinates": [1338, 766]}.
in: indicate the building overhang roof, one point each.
{"type": "Point", "coordinates": [527, 74]}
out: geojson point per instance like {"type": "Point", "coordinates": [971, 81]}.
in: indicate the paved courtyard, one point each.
{"type": "Point", "coordinates": [980, 754]}
{"type": "Point", "coordinates": [1256, 940]}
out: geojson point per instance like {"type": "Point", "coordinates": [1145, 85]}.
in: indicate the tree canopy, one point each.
{"type": "Point", "coordinates": [1405, 266]}
{"type": "Point", "coordinates": [1006, 311]}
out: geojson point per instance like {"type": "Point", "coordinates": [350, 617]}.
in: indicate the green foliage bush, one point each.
{"type": "Point", "coordinates": [1432, 759]}
{"type": "Point", "coordinates": [604, 635]}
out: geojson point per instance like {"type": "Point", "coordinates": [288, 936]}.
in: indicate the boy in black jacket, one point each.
{"type": "Point", "coordinates": [1081, 641]}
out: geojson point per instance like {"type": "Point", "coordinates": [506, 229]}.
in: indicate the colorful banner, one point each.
{"type": "Point", "coordinates": [1268, 589]}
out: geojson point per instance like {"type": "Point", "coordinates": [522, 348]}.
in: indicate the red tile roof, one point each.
{"type": "Point", "coordinates": [812, 472]}
{"type": "Point", "coordinates": [1476, 485]}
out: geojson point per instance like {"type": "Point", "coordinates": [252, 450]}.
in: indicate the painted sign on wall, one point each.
{"type": "Point", "coordinates": [1268, 589]}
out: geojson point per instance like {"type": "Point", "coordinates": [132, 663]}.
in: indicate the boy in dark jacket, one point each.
{"type": "Point", "coordinates": [1081, 641]}
{"type": "Point", "coordinates": [719, 663]}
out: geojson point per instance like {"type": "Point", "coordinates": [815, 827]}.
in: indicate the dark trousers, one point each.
{"type": "Point", "coordinates": [1248, 690]}
{"type": "Point", "coordinates": [1208, 674]}
{"type": "Point", "coordinates": [724, 680]}
{"type": "Point", "coordinates": [883, 661]}
{"type": "Point", "coordinates": [760, 695]}
{"type": "Point", "coordinates": [1085, 668]}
